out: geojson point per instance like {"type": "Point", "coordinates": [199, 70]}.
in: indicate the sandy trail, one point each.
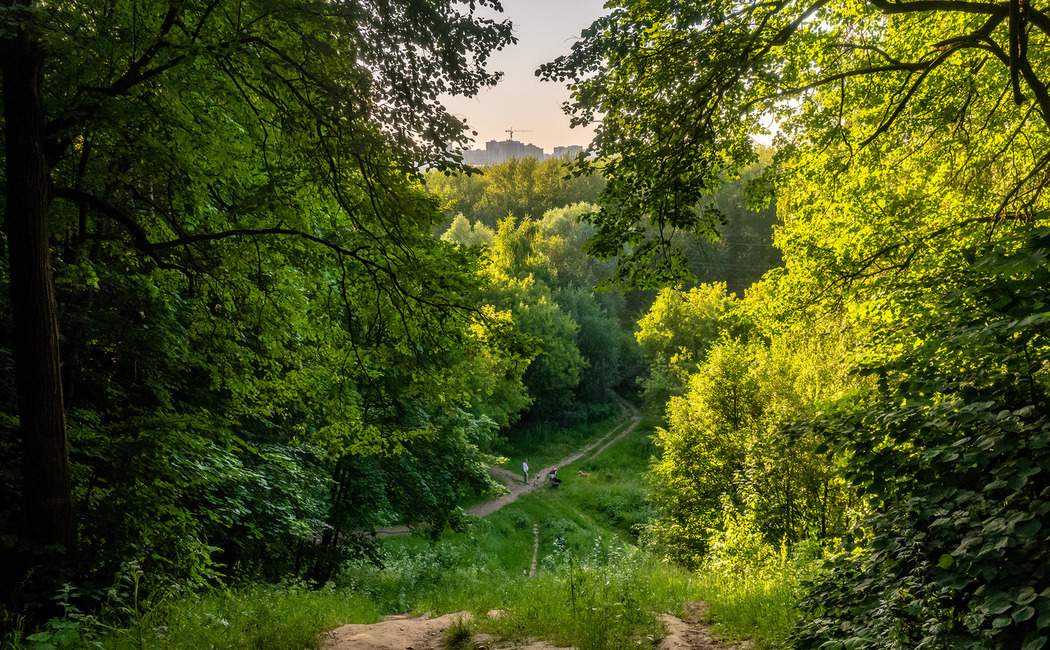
{"type": "Point", "coordinates": [425, 633]}
{"type": "Point", "coordinates": [409, 633]}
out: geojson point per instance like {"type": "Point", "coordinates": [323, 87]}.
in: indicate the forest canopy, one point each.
{"type": "Point", "coordinates": [216, 202]}
{"type": "Point", "coordinates": [912, 153]}
{"type": "Point", "coordinates": [241, 329]}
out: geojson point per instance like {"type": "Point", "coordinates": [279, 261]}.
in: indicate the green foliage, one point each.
{"type": "Point", "coordinates": [461, 232]}
{"type": "Point", "coordinates": [678, 331]}
{"type": "Point", "coordinates": [680, 88]}
{"type": "Point", "coordinates": [544, 442]}
{"type": "Point", "coordinates": [905, 174]}
{"type": "Point", "coordinates": [601, 592]}
{"type": "Point", "coordinates": [576, 345]}
{"type": "Point", "coordinates": [599, 340]}
{"type": "Point", "coordinates": [558, 366]}
{"type": "Point", "coordinates": [743, 251]}
{"type": "Point", "coordinates": [762, 604]}
{"type": "Point", "coordinates": [539, 275]}
{"type": "Point", "coordinates": [258, 616]}
{"type": "Point", "coordinates": [515, 254]}
{"type": "Point", "coordinates": [284, 616]}
{"type": "Point", "coordinates": [953, 447]}
{"type": "Point", "coordinates": [728, 464]}
{"type": "Point", "coordinates": [616, 589]}
{"type": "Point", "coordinates": [565, 235]}
{"type": "Point", "coordinates": [265, 353]}
{"type": "Point", "coordinates": [521, 187]}
{"type": "Point", "coordinates": [458, 636]}
{"type": "Point", "coordinates": [704, 449]}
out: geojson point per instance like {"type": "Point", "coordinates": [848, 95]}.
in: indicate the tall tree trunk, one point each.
{"type": "Point", "coordinates": [45, 460]}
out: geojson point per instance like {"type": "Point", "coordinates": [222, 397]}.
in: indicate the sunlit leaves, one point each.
{"type": "Point", "coordinates": [953, 446]}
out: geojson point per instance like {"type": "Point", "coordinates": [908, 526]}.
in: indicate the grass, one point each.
{"type": "Point", "coordinates": [459, 635]}
{"type": "Point", "coordinates": [263, 617]}
{"type": "Point", "coordinates": [594, 589]}
{"type": "Point", "coordinates": [546, 443]}
{"type": "Point", "coordinates": [762, 607]}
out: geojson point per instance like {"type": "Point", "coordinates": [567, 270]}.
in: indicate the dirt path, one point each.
{"type": "Point", "coordinates": [535, 549]}
{"type": "Point", "coordinates": [518, 487]}
{"type": "Point", "coordinates": [690, 633]}
{"type": "Point", "coordinates": [425, 633]}
{"type": "Point", "coordinates": [412, 633]}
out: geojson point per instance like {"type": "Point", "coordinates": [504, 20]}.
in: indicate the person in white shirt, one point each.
{"type": "Point", "coordinates": [525, 469]}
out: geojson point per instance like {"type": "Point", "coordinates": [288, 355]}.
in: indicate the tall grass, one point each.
{"type": "Point", "coordinates": [595, 588]}
{"type": "Point", "coordinates": [264, 617]}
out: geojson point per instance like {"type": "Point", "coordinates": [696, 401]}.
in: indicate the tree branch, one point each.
{"type": "Point", "coordinates": [888, 7]}
{"type": "Point", "coordinates": [941, 58]}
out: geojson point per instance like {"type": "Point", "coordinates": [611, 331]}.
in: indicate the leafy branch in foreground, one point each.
{"type": "Point", "coordinates": [230, 140]}
{"type": "Point", "coordinates": [954, 449]}
{"type": "Point", "coordinates": [679, 88]}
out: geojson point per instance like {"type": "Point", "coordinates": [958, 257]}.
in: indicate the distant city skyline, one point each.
{"type": "Point", "coordinates": [545, 30]}
{"type": "Point", "coordinates": [498, 151]}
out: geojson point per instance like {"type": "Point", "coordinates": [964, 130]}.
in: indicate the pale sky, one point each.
{"type": "Point", "coordinates": [545, 30]}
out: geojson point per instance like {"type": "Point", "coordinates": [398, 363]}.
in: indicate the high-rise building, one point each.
{"type": "Point", "coordinates": [565, 152]}
{"type": "Point", "coordinates": [497, 151]}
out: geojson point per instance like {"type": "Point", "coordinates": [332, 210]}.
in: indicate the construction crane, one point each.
{"type": "Point", "coordinates": [512, 130]}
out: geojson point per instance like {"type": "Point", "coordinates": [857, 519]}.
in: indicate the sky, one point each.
{"type": "Point", "coordinates": [545, 29]}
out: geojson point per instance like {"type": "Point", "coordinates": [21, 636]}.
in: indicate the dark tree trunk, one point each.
{"type": "Point", "coordinates": [48, 503]}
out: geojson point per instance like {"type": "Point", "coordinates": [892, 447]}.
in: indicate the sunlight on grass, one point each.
{"type": "Point", "coordinates": [594, 590]}
{"type": "Point", "coordinates": [762, 608]}
{"type": "Point", "coordinates": [257, 617]}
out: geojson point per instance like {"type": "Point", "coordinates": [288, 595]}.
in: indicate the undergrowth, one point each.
{"type": "Point", "coordinates": [594, 590]}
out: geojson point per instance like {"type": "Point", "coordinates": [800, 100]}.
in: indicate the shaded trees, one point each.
{"type": "Point", "coordinates": [194, 133]}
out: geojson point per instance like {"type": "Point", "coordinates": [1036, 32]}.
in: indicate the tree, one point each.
{"type": "Point", "coordinates": [461, 232]}
{"type": "Point", "coordinates": [173, 128]}
{"type": "Point", "coordinates": [950, 444]}
{"type": "Point", "coordinates": [744, 250]}
{"type": "Point", "coordinates": [565, 235]}
{"type": "Point", "coordinates": [556, 365]}
{"type": "Point", "coordinates": [523, 187]}
{"type": "Point", "coordinates": [599, 340]}
{"type": "Point", "coordinates": [729, 450]}
{"type": "Point", "coordinates": [679, 330]}
{"type": "Point", "coordinates": [911, 174]}
{"type": "Point", "coordinates": [681, 87]}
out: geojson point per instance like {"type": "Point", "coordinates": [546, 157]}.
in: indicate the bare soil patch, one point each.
{"type": "Point", "coordinates": [692, 633]}
{"type": "Point", "coordinates": [425, 633]}
{"type": "Point", "coordinates": [410, 633]}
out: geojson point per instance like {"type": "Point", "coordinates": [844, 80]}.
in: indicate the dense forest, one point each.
{"type": "Point", "coordinates": [254, 309]}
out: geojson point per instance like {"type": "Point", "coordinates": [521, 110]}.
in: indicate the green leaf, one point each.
{"type": "Point", "coordinates": [1034, 643]}
{"type": "Point", "coordinates": [1025, 596]}
{"type": "Point", "coordinates": [1044, 620]}
{"type": "Point", "coordinates": [997, 603]}
{"type": "Point", "coordinates": [1029, 528]}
